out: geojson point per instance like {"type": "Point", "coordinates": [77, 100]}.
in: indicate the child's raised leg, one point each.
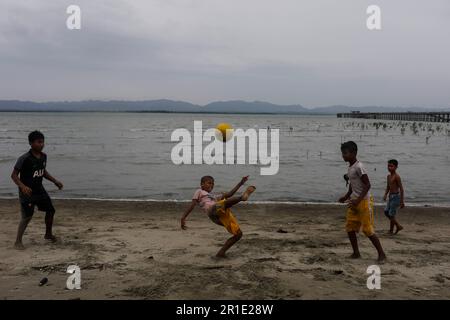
{"type": "Point", "coordinates": [229, 203]}
{"type": "Point", "coordinates": [244, 197]}
{"type": "Point", "coordinates": [248, 192]}
{"type": "Point", "coordinates": [232, 201]}
{"type": "Point", "coordinates": [229, 243]}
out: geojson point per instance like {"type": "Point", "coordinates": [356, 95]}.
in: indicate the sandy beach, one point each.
{"type": "Point", "coordinates": [136, 250]}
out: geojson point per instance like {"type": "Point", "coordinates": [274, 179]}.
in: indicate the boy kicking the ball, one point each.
{"type": "Point", "coordinates": [28, 173]}
{"type": "Point", "coordinates": [218, 208]}
{"type": "Point", "coordinates": [360, 202]}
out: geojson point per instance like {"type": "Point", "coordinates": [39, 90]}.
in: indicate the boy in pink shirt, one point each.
{"type": "Point", "coordinates": [217, 207]}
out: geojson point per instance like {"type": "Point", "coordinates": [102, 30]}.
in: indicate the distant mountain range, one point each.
{"type": "Point", "coordinates": [235, 106]}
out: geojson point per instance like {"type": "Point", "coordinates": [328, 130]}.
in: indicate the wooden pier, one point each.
{"type": "Point", "coordinates": [400, 116]}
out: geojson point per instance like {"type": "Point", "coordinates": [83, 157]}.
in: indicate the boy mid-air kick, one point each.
{"type": "Point", "coordinates": [218, 208]}
{"type": "Point", "coordinates": [360, 203]}
{"type": "Point", "coordinates": [394, 189]}
{"type": "Point", "coordinates": [28, 173]}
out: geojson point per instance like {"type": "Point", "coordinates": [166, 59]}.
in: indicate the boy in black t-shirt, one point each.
{"type": "Point", "coordinates": [27, 175]}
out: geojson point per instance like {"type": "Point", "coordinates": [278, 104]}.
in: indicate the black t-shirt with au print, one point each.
{"type": "Point", "coordinates": [31, 171]}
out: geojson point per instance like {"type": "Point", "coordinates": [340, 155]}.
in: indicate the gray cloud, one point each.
{"type": "Point", "coordinates": [314, 53]}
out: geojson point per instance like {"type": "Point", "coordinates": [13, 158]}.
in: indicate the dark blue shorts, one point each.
{"type": "Point", "coordinates": [42, 202]}
{"type": "Point", "coordinates": [392, 205]}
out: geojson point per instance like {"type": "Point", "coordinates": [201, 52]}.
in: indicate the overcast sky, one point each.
{"type": "Point", "coordinates": [314, 53]}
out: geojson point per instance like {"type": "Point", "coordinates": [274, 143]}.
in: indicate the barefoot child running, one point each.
{"type": "Point", "coordinates": [218, 208]}
{"type": "Point", "coordinates": [394, 189]}
{"type": "Point", "coordinates": [360, 203]}
{"type": "Point", "coordinates": [28, 173]}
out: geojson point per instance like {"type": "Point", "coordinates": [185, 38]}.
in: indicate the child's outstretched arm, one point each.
{"type": "Point", "coordinates": [49, 177]}
{"type": "Point", "coordinates": [187, 212]}
{"type": "Point", "coordinates": [236, 188]}
{"type": "Point", "coordinates": [402, 192]}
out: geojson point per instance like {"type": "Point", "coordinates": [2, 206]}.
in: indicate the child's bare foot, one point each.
{"type": "Point", "coordinates": [355, 256]}
{"type": "Point", "coordinates": [247, 193]}
{"type": "Point", "coordinates": [382, 258]}
{"type": "Point", "coordinates": [51, 238]}
{"type": "Point", "coordinates": [19, 246]}
{"type": "Point", "coordinates": [398, 229]}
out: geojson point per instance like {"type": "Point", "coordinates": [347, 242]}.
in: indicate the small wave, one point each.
{"type": "Point", "coordinates": [139, 129]}
{"type": "Point", "coordinates": [269, 202]}
{"type": "Point", "coordinates": [133, 137]}
{"type": "Point", "coordinates": [148, 163]}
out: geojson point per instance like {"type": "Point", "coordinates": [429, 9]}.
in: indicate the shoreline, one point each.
{"type": "Point", "coordinates": [443, 205]}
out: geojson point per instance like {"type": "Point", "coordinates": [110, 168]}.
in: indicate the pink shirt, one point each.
{"type": "Point", "coordinates": [205, 200]}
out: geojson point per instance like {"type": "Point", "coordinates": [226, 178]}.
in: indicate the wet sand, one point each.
{"type": "Point", "coordinates": [136, 250]}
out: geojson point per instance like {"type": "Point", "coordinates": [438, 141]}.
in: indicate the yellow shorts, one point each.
{"type": "Point", "coordinates": [224, 217]}
{"type": "Point", "coordinates": [361, 217]}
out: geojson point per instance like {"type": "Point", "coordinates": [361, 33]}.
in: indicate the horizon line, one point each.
{"type": "Point", "coordinates": [223, 101]}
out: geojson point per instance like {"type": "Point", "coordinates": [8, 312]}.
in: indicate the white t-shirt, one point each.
{"type": "Point", "coordinates": [355, 172]}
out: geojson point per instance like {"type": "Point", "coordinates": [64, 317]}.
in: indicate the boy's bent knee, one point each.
{"type": "Point", "coordinates": [369, 234]}
{"type": "Point", "coordinates": [238, 235]}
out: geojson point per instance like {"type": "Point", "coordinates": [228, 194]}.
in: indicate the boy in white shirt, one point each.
{"type": "Point", "coordinates": [360, 202]}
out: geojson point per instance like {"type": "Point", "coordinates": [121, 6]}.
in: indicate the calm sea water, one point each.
{"type": "Point", "coordinates": [127, 156]}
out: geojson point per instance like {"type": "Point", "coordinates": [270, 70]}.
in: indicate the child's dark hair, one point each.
{"type": "Point", "coordinates": [394, 162]}
{"type": "Point", "coordinates": [206, 178]}
{"type": "Point", "coordinates": [349, 146]}
{"type": "Point", "coordinates": [35, 135]}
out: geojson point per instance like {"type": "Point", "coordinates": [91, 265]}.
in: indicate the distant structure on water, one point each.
{"type": "Point", "coordinates": [403, 116]}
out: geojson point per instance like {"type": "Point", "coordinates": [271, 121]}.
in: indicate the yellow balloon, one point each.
{"type": "Point", "coordinates": [224, 132]}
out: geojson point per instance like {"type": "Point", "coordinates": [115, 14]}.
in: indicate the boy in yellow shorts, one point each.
{"type": "Point", "coordinates": [360, 202]}
{"type": "Point", "coordinates": [218, 208]}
